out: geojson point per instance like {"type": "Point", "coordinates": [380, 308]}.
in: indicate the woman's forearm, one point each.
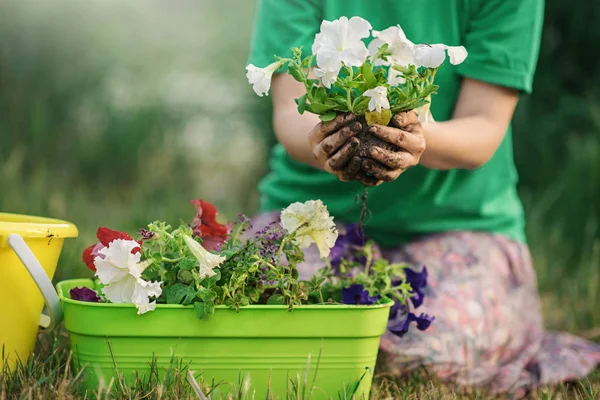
{"type": "Point", "coordinates": [465, 143]}
{"type": "Point", "coordinates": [292, 131]}
{"type": "Point", "coordinates": [481, 117]}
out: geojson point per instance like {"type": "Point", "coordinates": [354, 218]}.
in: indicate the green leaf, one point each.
{"type": "Point", "coordinates": [307, 61]}
{"type": "Point", "coordinates": [187, 264]}
{"type": "Point", "coordinates": [296, 72]}
{"type": "Point", "coordinates": [190, 295]}
{"type": "Point", "coordinates": [319, 94]}
{"type": "Point", "coordinates": [206, 295]}
{"type": "Point", "coordinates": [428, 90]}
{"type": "Point", "coordinates": [328, 116]}
{"type": "Point", "coordinates": [276, 299]}
{"type": "Point", "coordinates": [318, 108]}
{"type": "Point", "coordinates": [253, 294]}
{"type": "Point", "coordinates": [176, 293]}
{"type": "Point", "coordinates": [204, 310]}
{"type": "Point", "coordinates": [367, 73]}
{"type": "Point", "coordinates": [185, 276]}
{"type": "Point", "coordinates": [359, 105]}
{"type": "Point", "coordinates": [301, 101]}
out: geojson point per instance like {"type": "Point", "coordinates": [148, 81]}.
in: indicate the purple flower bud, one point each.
{"type": "Point", "coordinates": [146, 234]}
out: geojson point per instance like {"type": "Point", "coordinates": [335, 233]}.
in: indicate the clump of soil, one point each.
{"type": "Point", "coordinates": [363, 142]}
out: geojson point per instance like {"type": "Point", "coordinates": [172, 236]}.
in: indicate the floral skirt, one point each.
{"type": "Point", "coordinates": [488, 331]}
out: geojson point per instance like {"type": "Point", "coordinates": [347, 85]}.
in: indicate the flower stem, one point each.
{"type": "Point", "coordinates": [321, 297]}
{"type": "Point", "coordinates": [172, 260]}
{"type": "Point", "coordinates": [349, 90]}
{"type": "Point", "coordinates": [280, 250]}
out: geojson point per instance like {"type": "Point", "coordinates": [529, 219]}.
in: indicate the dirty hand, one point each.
{"type": "Point", "coordinates": [334, 144]}
{"type": "Point", "coordinates": [406, 133]}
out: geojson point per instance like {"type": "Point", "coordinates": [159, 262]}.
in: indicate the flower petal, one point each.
{"type": "Point", "coordinates": [145, 307]}
{"type": "Point", "coordinates": [106, 235]}
{"type": "Point", "coordinates": [205, 225]}
{"type": "Point", "coordinates": [144, 290]}
{"type": "Point", "coordinates": [90, 254]}
{"type": "Point", "coordinates": [358, 28]}
{"type": "Point", "coordinates": [207, 260]}
{"type": "Point", "coordinates": [378, 97]}
{"type": "Point", "coordinates": [429, 56]}
{"type": "Point", "coordinates": [120, 291]}
{"type": "Point", "coordinates": [327, 77]}
{"type": "Point", "coordinates": [457, 54]}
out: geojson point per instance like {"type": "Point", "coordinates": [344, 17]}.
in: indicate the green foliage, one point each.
{"type": "Point", "coordinates": [261, 270]}
{"type": "Point", "coordinates": [347, 92]}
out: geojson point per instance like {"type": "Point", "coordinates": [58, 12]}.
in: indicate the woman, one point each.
{"type": "Point", "coordinates": [449, 200]}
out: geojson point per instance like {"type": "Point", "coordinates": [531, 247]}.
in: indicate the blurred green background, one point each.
{"type": "Point", "coordinates": [114, 113]}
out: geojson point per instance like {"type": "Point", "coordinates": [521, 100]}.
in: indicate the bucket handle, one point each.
{"type": "Point", "coordinates": [33, 266]}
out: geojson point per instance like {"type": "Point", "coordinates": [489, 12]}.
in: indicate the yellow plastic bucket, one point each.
{"type": "Point", "coordinates": [29, 250]}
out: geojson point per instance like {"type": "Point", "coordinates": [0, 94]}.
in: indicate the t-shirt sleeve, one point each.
{"type": "Point", "coordinates": [280, 25]}
{"type": "Point", "coordinates": [503, 40]}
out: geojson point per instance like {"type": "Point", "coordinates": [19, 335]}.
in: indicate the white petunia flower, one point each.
{"type": "Point", "coordinates": [399, 46]}
{"type": "Point", "coordinates": [310, 222]}
{"type": "Point", "coordinates": [208, 261]}
{"type": "Point", "coordinates": [260, 78]}
{"type": "Point", "coordinates": [378, 97]}
{"type": "Point", "coordinates": [121, 273]}
{"type": "Point", "coordinates": [340, 43]}
{"type": "Point", "coordinates": [327, 77]}
{"type": "Point", "coordinates": [432, 56]}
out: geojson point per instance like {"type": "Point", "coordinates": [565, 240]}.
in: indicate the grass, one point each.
{"type": "Point", "coordinates": [48, 375]}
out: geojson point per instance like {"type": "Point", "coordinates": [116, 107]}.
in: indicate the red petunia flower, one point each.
{"type": "Point", "coordinates": [106, 236]}
{"type": "Point", "coordinates": [205, 226]}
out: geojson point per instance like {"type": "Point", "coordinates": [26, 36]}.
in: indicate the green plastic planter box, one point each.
{"type": "Point", "coordinates": [268, 343]}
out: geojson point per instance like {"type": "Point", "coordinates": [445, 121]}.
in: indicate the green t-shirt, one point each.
{"type": "Point", "coordinates": [502, 38]}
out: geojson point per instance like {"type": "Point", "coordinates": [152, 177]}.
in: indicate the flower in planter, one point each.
{"type": "Point", "coordinates": [348, 246]}
{"type": "Point", "coordinates": [120, 270]}
{"type": "Point", "coordinates": [105, 236]}
{"type": "Point", "coordinates": [84, 294]}
{"type": "Point", "coordinates": [310, 223]}
{"type": "Point", "coordinates": [207, 261]}
{"type": "Point", "coordinates": [205, 225]}
{"type": "Point", "coordinates": [357, 294]}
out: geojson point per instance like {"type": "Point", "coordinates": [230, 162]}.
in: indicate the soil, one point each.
{"type": "Point", "coordinates": [366, 140]}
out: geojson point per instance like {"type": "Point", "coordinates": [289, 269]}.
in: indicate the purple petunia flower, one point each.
{"type": "Point", "coordinates": [417, 281]}
{"type": "Point", "coordinates": [347, 245]}
{"type": "Point", "coordinates": [84, 294]}
{"type": "Point", "coordinates": [396, 308]}
{"type": "Point", "coordinates": [423, 322]}
{"type": "Point", "coordinates": [356, 294]}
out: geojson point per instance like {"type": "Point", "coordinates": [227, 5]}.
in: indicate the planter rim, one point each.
{"type": "Point", "coordinates": [63, 296]}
